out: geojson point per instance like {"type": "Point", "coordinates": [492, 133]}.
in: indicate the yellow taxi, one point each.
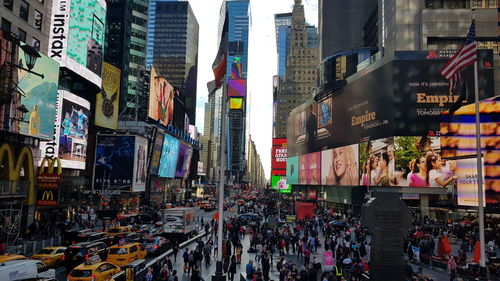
{"type": "Point", "coordinates": [119, 230]}
{"type": "Point", "coordinates": [121, 255]}
{"type": "Point", "coordinates": [5, 258]}
{"type": "Point", "coordinates": [50, 256]}
{"type": "Point", "coordinates": [93, 271]}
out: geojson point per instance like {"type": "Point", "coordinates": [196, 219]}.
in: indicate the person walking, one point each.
{"type": "Point", "coordinates": [185, 256]}
{"type": "Point", "coordinates": [149, 275]}
{"type": "Point", "coordinates": [175, 250]}
{"type": "Point", "coordinates": [173, 277]}
{"type": "Point", "coordinates": [266, 265]}
{"type": "Point", "coordinates": [232, 268]}
{"type": "Point", "coordinates": [452, 268]}
{"type": "Point", "coordinates": [164, 273]}
{"type": "Point", "coordinates": [307, 256]}
{"type": "Point", "coordinates": [250, 270]}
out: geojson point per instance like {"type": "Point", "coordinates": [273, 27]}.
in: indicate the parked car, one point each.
{"type": "Point", "coordinates": [24, 269]}
{"type": "Point", "coordinates": [81, 252]}
{"type": "Point", "coordinates": [50, 256]}
{"type": "Point", "coordinates": [125, 254]}
{"type": "Point", "coordinates": [157, 245]}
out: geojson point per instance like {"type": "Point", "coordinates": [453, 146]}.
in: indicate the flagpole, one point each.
{"type": "Point", "coordinates": [480, 193]}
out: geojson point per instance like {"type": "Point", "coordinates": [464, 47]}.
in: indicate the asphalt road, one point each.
{"type": "Point", "coordinates": [61, 273]}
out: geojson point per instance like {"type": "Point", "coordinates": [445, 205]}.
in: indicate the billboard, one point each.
{"type": "Point", "coordinates": [107, 101]}
{"type": "Point", "coordinates": [169, 155]}
{"type": "Point", "coordinates": [36, 96]}
{"type": "Point", "coordinates": [235, 103]}
{"type": "Point", "coordinates": [380, 156]}
{"type": "Point", "coordinates": [183, 160]}
{"type": "Point", "coordinates": [76, 37]}
{"type": "Point", "coordinates": [292, 170]}
{"type": "Point", "coordinates": [161, 99]}
{"type": "Point", "coordinates": [74, 126]}
{"type": "Point", "coordinates": [236, 87]}
{"type": "Point", "coordinates": [467, 182]}
{"type": "Point", "coordinates": [155, 159]}
{"type": "Point", "coordinates": [458, 142]}
{"type": "Point", "coordinates": [310, 168]}
{"type": "Point", "coordinates": [139, 178]}
{"type": "Point", "coordinates": [279, 153]}
{"type": "Point", "coordinates": [280, 183]}
{"type": "Point", "coordinates": [115, 162]}
{"type": "Point", "coordinates": [50, 149]}
{"type": "Point", "coordinates": [403, 97]}
{"type": "Point", "coordinates": [339, 166]}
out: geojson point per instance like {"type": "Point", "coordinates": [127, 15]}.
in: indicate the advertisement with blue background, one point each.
{"type": "Point", "coordinates": [169, 155]}
{"type": "Point", "coordinates": [180, 170]}
{"type": "Point", "coordinates": [114, 164]}
{"type": "Point", "coordinates": [292, 170]}
{"type": "Point", "coordinates": [38, 96]}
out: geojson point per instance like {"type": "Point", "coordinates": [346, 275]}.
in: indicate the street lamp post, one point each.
{"type": "Point", "coordinates": [219, 273]}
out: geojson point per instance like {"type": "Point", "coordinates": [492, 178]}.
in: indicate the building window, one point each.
{"type": "Point", "coordinates": [35, 43]}
{"type": "Point", "coordinates": [38, 20]}
{"type": "Point", "coordinates": [24, 10]}
{"type": "Point", "coordinates": [8, 4]}
{"type": "Point", "coordinates": [21, 34]}
{"type": "Point", "coordinates": [6, 25]}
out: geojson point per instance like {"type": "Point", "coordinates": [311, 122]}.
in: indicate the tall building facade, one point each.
{"type": "Point", "coordinates": [283, 26]}
{"type": "Point", "coordinates": [298, 84]}
{"type": "Point", "coordinates": [172, 47]}
{"type": "Point", "coordinates": [28, 20]}
{"type": "Point", "coordinates": [126, 44]}
{"type": "Point", "coordinates": [340, 24]}
{"type": "Point", "coordinates": [256, 176]}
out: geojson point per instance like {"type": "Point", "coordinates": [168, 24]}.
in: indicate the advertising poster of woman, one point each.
{"type": "Point", "coordinates": [339, 166]}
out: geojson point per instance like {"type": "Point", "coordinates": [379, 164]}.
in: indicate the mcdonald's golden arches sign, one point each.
{"type": "Point", "coordinates": [49, 182]}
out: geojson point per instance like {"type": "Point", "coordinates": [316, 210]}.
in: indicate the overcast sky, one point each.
{"type": "Point", "coordinates": [261, 66]}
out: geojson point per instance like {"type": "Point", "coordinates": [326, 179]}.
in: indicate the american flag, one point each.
{"type": "Point", "coordinates": [465, 56]}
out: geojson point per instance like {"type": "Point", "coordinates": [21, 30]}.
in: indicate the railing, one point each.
{"type": "Point", "coordinates": [27, 247]}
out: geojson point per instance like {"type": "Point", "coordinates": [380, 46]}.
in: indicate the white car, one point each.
{"type": "Point", "coordinates": [25, 269]}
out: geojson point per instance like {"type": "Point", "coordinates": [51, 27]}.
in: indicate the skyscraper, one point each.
{"type": "Point", "coordinates": [298, 83]}
{"type": "Point", "coordinates": [172, 47]}
{"type": "Point", "coordinates": [283, 25]}
{"type": "Point", "coordinates": [126, 49]}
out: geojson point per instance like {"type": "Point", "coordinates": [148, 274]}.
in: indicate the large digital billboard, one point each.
{"type": "Point", "coordinates": [74, 128]}
{"type": "Point", "coordinates": [236, 87]}
{"type": "Point", "coordinates": [140, 169]}
{"type": "Point", "coordinates": [458, 141]}
{"type": "Point", "coordinates": [161, 99]}
{"type": "Point", "coordinates": [292, 170]}
{"type": "Point", "coordinates": [235, 103]}
{"type": "Point", "coordinates": [310, 168]}
{"type": "Point", "coordinates": [403, 97]}
{"type": "Point", "coordinates": [35, 97]}
{"type": "Point", "coordinates": [183, 161]}
{"type": "Point", "coordinates": [50, 148]}
{"type": "Point", "coordinates": [107, 101]}
{"type": "Point", "coordinates": [169, 155]}
{"type": "Point", "coordinates": [380, 156]}
{"type": "Point", "coordinates": [76, 37]}
{"type": "Point", "coordinates": [114, 162]}
{"type": "Point", "coordinates": [279, 153]}
{"type": "Point", "coordinates": [339, 166]}
{"type": "Point", "coordinates": [279, 183]}
{"type": "Point", "coordinates": [156, 156]}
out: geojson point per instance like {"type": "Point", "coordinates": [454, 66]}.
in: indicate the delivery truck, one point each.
{"type": "Point", "coordinates": [179, 223]}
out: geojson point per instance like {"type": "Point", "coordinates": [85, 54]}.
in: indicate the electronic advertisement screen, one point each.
{"type": "Point", "coordinates": [107, 101]}
{"type": "Point", "coordinates": [236, 87]}
{"type": "Point", "coordinates": [76, 37]}
{"type": "Point", "coordinates": [155, 159]}
{"type": "Point", "coordinates": [279, 183]}
{"type": "Point", "coordinates": [140, 169]}
{"type": "Point", "coordinates": [278, 157]}
{"type": "Point", "coordinates": [458, 141]}
{"type": "Point", "coordinates": [161, 99]}
{"type": "Point", "coordinates": [114, 162]}
{"type": "Point", "coordinates": [73, 131]}
{"type": "Point", "coordinates": [183, 160]}
{"type": "Point", "coordinates": [169, 156]}
{"type": "Point", "coordinates": [235, 103]}
{"type": "Point", "coordinates": [37, 97]}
